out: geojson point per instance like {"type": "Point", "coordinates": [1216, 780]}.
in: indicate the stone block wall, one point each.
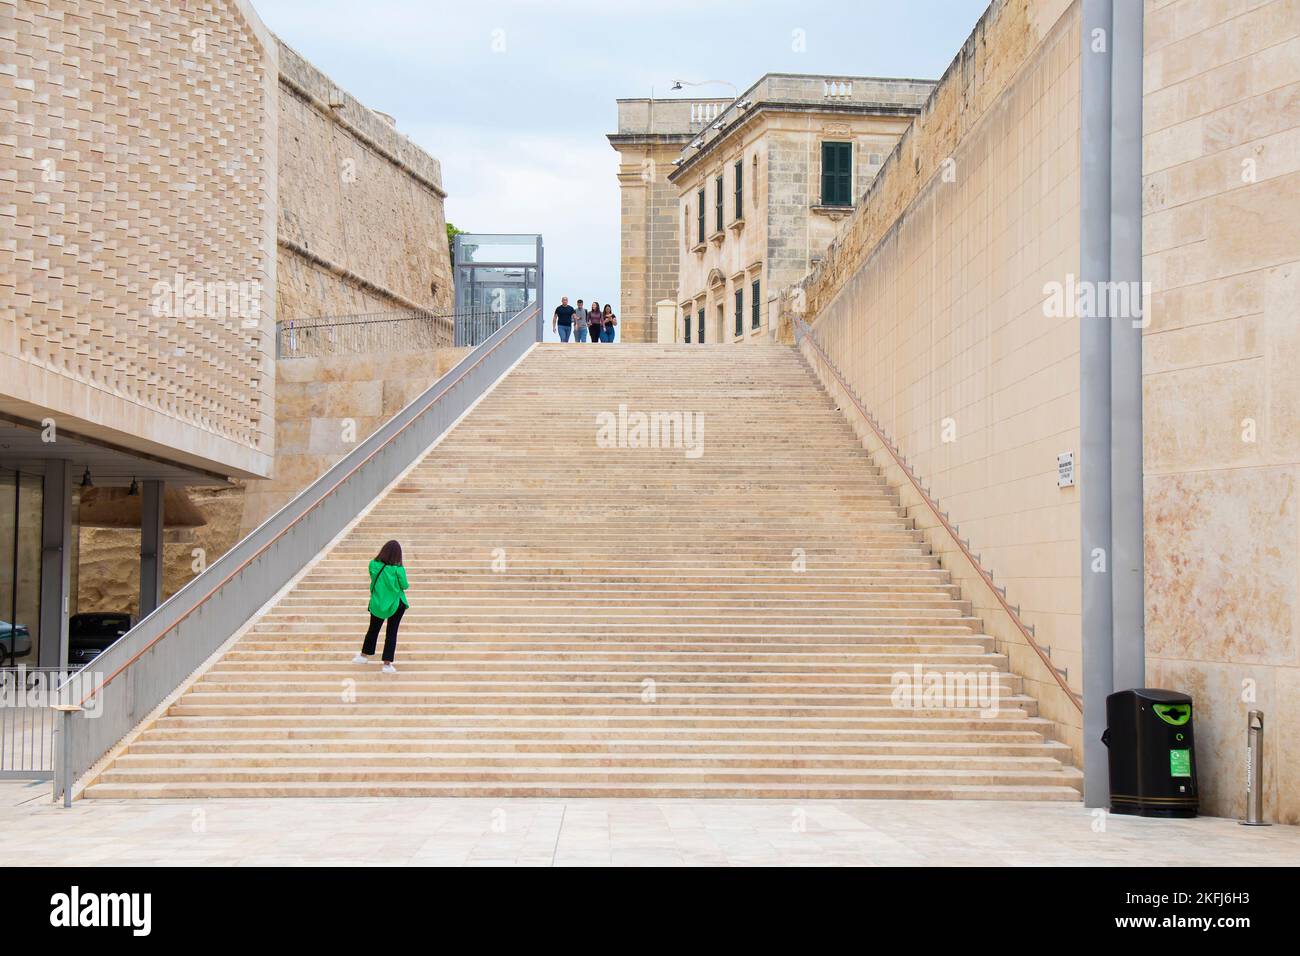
{"type": "Point", "coordinates": [940, 328]}
{"type": "Point", "coordinates": [361, 221]}
{"type": "Point", "coordinates": [137, 225]}
{"type": "Point", "coordinates": [648, 237]}
{"type": "Point", "coordinates": [1222, 392]}
{"type": "Point", "coordinates": [325, 406]}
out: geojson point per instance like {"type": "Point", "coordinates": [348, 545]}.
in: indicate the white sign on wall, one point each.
{"type": "Point", "coordinates": [1065, 469]}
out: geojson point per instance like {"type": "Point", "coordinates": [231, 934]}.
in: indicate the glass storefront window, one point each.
{"type": "Point", "coordinates": [20, 567]}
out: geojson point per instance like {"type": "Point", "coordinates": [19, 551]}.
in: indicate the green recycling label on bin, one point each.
{"type": "Point", "coordinates": [1180, 763]}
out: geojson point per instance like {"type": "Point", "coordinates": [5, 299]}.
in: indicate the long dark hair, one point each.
{"type": "Point", "coordinates": [609, 309]}
{"type": "Point", "coordinates": [390, 553]}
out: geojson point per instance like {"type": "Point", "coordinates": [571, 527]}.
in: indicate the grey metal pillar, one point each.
{"type": "Point", "coordinates": [56, 563]}
{"type": "Point", "coordinates": [1126, 348]}
{"type": "Point", "coordinates": [1094, 394]}
{"type": "Point", "coordinates": [151, 546]}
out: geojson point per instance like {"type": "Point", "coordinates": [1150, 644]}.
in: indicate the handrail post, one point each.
{"type": "Point", "coordinates": [63, 773]}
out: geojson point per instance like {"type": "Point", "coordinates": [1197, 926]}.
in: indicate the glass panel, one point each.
{"type": "Point", "coordinates": [501, 249]}
{"type": "Point", "coordinates": [495, 288]}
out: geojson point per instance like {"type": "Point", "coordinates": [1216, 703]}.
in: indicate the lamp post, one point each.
{"type": "Point", "coordinates": [678, 84]}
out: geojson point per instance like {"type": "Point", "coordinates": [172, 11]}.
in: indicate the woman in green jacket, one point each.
{"type": "Point", "coordinates": [388, 602]}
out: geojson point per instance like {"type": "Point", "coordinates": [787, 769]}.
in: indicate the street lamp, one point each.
{"type": "Point", "coordinates": [678, 84]}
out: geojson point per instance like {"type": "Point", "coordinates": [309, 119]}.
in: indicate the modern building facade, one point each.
{"type": "Point", "coordinates": [173, 162]}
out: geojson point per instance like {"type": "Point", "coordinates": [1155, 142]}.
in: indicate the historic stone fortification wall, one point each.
{"type": "Point", "coordinates": [1222, 242]}
{"type": "Point", "coordinates": [361, 223]}
{"type": "Point", "coordinates": [108, 567]}
{"type": "Point", "coordinates": [137, 225]}
{"type": "Point", "coordinates": [930, 301]}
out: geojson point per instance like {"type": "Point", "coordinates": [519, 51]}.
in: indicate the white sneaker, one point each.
{"type": "Point", "coordinates": [361, 659]}
{"type": "Point", "coordinates": [389, 669]}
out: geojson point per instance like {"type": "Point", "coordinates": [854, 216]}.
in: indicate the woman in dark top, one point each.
{"type": "Point", "coordinates": [388, 586]}
{"type": "Point", "coordinates": [595, 322]}
{"type": "Point", "coordinates": [608, 320]}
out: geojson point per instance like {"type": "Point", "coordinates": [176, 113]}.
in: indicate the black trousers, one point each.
{"type": "Point", "coordinates": [390, 635]}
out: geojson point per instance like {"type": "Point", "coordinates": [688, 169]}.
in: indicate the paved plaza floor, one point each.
{"type": "Point", "coordinates": [566, 832]}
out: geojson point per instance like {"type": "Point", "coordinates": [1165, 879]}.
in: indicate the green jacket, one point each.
{"type": "Point", "coordinates": [387, 584]}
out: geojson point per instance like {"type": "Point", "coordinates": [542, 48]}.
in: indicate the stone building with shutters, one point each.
{"type": "Point", "coordinates": [763, 186]}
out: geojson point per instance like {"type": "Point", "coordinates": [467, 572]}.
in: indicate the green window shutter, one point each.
{"type": "Point", "coordinates": [837, 174]}
{"type": "Point", "coordinates": [754, 320]}
{"type": "Point", "coordinates": [717, 203]}
{"type": "Point", "coordinates": [686, 324]}
{"type": "Point", "coordinates": [699, 201]}
{"type": "Point", "coordinates": [700, 327]}
{"type": "Point", "coordinates": [740, 311]}
{"type": "Point", "coordinates": [740, 189]}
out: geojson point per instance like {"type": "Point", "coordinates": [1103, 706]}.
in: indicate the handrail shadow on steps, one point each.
{"type": "Point", "coordinates": [803, 330]}
{"type": "Point", "coordinates": [153, 658]}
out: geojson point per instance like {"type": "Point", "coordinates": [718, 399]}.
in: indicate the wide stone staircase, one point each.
{"type": "Point", "coordinates": [594, 620]}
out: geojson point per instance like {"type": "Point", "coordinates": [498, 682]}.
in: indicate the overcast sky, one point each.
{"type": "Point", "coordinates": [515, 97]}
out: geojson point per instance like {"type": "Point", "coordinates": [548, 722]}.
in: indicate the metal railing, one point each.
{"type": "Point", "coordinates": [803, 331]}
{"type": "Point", "coordinates": [384, 332]}
{"type": "Point", "coordinates": [161, 651]}
{"type": "Point", "coordinates": [367, 332]}
{"type": "Point", "coordinates": [27, 721]}
{"type": "Point", "coordinates": [475, 327]}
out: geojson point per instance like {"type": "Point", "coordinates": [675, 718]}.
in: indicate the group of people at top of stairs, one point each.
{"type": "Point", "coordinates": [388, 602]}
{"type": "Point", "coordinates": [581, 324]}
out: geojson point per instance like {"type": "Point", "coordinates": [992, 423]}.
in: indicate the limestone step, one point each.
{"type": "Point", "coordinates": [622, 621]}
{"type": "Point", "coordinates": [173, 790]}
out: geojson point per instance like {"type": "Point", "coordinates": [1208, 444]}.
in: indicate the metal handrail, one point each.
{"type": "Point", "coordinates": [212, 606]}
{"type": "Point", "coordinates": [364, 332]}
{"type": "Point", "coordinates": [804, 330]}
{"type": "Point", "coordinates": [361, 318]}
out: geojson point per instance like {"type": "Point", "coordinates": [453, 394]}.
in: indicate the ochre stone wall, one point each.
{"type": "Point", "coordinates": [108, 577]}
{"type": "Point", "coordinates": [325, 406]}
{"type": "Point", "coordinates": [649, 237]}
{"type": "Point", "coordinates": [938, 324]}
{"type": "Point", "coordinates": [1222, 391]}
{"type": "Point", "coordinates": [361, 223]}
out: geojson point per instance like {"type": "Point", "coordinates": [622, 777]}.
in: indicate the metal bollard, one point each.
{"type": "Point", "coordinates": [1255, 770]}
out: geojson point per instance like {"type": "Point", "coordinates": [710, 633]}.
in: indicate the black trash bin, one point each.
{"type": "Point", "coordinates": [1152, 753]}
